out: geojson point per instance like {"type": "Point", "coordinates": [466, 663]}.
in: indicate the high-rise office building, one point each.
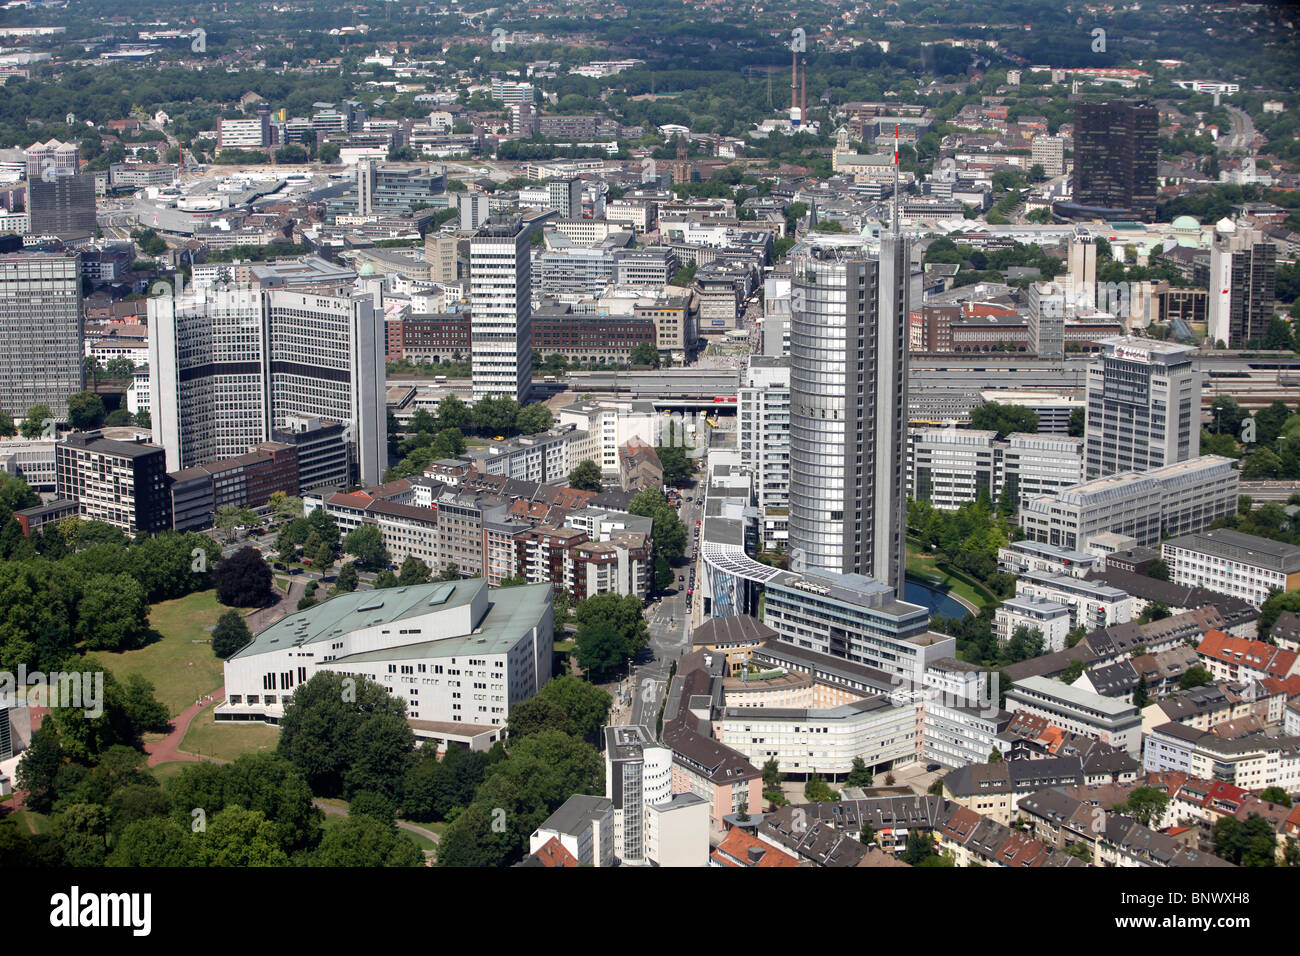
{"type": "Point", "coordinates": [41, 333]}
{"type": "Point", "coordinates": [473, 210]}
{"type": "Point", "coordinates": [50, 158]}
{"type": "Point", "coordinates": [1046, 320]}
{"type": "Point", "coordinates": [848, 406]}
{"type": "Point", "coordinates": [230, 367]}
{"type": "Point", "coordinates": [1116, 149]}
{"type": "Point", "coordinates": [500, 282]}
{"type": "Point", "coordinates": [440, 254]}
{"type": "Point", "coordinates": [1243, 286]}
{"type": "Point", "coordinates": [1144, 406]}
{"type": "Point", "coordinates": [565, 197]}
{"type": "Point", "coordinates": [1081, 277]}
{"type": "Point", "coordinates": [61, 204]}
{"type": "Point", "coordinates": [1048, 152]}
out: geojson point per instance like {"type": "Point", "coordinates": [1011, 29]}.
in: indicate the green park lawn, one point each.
{"type": "Point", "coordinates": [227, 740]}
{"type": "Point", "coordinates": [29, 821]}
{"type": "Point", "coordinates": [924, 567]}
{"type": "Point", "coordinates": [180, 669]}
{"type": "Point", "coordinates": [165, 771]}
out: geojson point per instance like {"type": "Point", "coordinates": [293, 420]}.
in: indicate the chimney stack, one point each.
{"type": "Point", "coordinates": [803, 96]}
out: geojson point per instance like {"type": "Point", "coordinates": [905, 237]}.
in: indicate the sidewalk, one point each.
{"type": "Point", "coordinates": [168, 749]}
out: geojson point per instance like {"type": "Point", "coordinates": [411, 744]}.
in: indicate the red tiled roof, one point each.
{"type": "Point", "coordinates": [552, 853]}
{"type": "Point", "coordinates": [734, 850]}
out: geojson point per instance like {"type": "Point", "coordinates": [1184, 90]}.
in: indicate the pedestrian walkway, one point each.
{"type": "Point", "coordinates": [168, 749]}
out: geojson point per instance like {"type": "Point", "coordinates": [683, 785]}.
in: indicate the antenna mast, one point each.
{"type": "Point", "coordinates": [894, 216]}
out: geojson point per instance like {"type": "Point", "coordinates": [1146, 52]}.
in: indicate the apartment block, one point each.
{"type": "Point", "coordinates": [1092, 605]}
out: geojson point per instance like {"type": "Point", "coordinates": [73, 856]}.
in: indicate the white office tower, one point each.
{"type": "Point", "coordinates": [776, 316]}
{"type": "Point", "coordinates": [229, 366]}
{"type": "Point", "coordinates": [366, 187]}
{"type": "Point", "coordinates": [1243, 285]}
{"type": "Point", "coordinates": [652, 826]}
{"type": "Point", "coordinates": [1144, 406]}
{"type": "Point", "coordinates": [848, 406]}
{"type": "Point", "coordinates": [501, 330]}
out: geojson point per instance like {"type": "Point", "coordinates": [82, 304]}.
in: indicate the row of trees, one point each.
{"type": "Point", "coordinates": [431, 437]}
{"type": "Point", "coordinates": [256, 811]}
{"type": "Point", "coordinates": [968, 538]}
{"type": "Point", "coordinates": [85, 411]}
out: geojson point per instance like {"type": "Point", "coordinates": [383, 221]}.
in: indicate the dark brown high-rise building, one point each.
{"type": "Point", "coordinates": [62, 204]}
{"type": "Point", "coordinates": [1116, 149]}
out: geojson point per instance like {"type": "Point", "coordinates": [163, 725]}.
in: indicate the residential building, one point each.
{"type": "Point", "coordinates": [1022, 556]}
{"type": "Point", "coordinates": [763, 437]}
{"type": "Point", "coordinates": [1242, 659]}
{"type": "Point", "coordinates": [639, 467]}
{"type": "Point", "coordinates": [1092, 604]}
{"type": "Point", "coordinates": [1048, 152]}
{"type": "Point", "coordinates": [1252, 761]}
{"type": "Point", "coordinates": [1048, 618]}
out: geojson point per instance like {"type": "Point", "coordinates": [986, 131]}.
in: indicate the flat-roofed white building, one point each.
{"type": "Point", "coordinates": [1230, 562]}
{"type": "Point", "coordinates": [1252, 761]}
{"type": "Point", "coordinates": [457, 654]}
{"type": "Point", "coordinates": [950, 466]}
{"type": "Point", "coordinates": [1092, 605]}
{"type": "Point", "coordinates": [884, 731]}
{"type": "Point", "coordinates": [1049, 618]}
{"type": "Point", "coordinates": [584, 825]}
{"type": "Point", "coordinates": [1177, 499]}
{"type": "Point", "coordinates": [1079, 711]}
{"type": "Point", "coordinates": [1021, 556]}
